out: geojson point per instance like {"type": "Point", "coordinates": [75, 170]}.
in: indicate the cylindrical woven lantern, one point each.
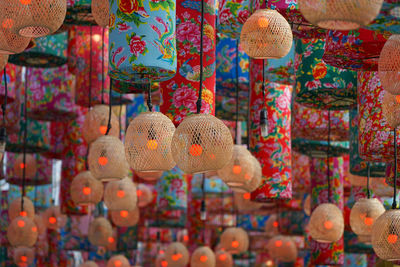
{"type": "Point", "coordinates": [29, 166]}
{"type": "Point", "coordinates": [24, 256]}
{"type": "Point", "coordinates": [101, 12]}
{"type": "Point", "coordinates": [202, 143]}
{"type": "Point", "coordinates": [14, 210]}
{"type": "Point", "coordinates": [177, 255]}
{"type": "Point", "coordinates": [282, 248]}
{"type": "Point", "coordinates": [118, 261]}
{"type": "Point", "coordinates": [149, 176]}
{"type": "Point", "coordinates": [266, 34]}
{"type": "Point", "coordinates": [339, 14]}
{"type": "Point", "coordinates": [234, 240]}
{"type": "Point", "coordinates": [144, 195]}
{"type": "Point", "coordinates": [202, 257]}
{"type": "Point", "coordinates": [223, 259]}
{"type": "Point", "coordinates": [85, 189]}
{"type": "Point", "coordinates": [389, 65]}
{"type": "Point", "coordinates": [271, 226]}
{"type": "Point", "coordinates": [96, 122]}
{"type": "Point", "coordinates": [107, 159]}
{"type": "Point", "coordinates": [54, 219]}
{"type": "Point", "coordinates": [89, 264]}
{"type": "Point", "coordinates": [326, 223]}
{"type": "Point", "coordinates": [22, 231]}
{"type": "Point", "coordinates": [390, 109]}
{"type": "Point", "coordinates": [11, 43]}
{"type": "Point", "coordinates": [244, 204]}
{"type": "Point", "coordinates": [120, 195]}
{"type": "Point", "coordinates": [148, 142]}
{"type": "Point", "coordinates": [363, 215]}
{"type": "Point", "coordinates": [125, 218]}
{"type": "Point", "coordinates": [38, 220]}
{"type": "Point", "coordinates": [100, 232]}
{"type": "Point", "coordinates": [385, 235]}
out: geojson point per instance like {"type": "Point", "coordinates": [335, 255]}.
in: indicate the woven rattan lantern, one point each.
{"type": "Point", "coordinates": [149, 176]}
{"type": "Point", "coordinates": [177, 255]}
{"type": "Point", "coordinates": [14, 209]}
{"type": "Point", "coordinates": [33, 18]}
{"type": "Point", "coordinates": [22, 231]}
{"type": "Point", "coordinates": [125, 218]}
{"type": "Point", "coordinates": [339, 14]}
{"type": "Point", "coordinates": [389, 65]}
{"type": "Point", "coordinates": [282, 248]}
{"type": "Point", "coordinates": [148, 142]}
{"type": "Point", "coordinates": [223, 259]}
{"type": "Point", "coordinates": [234, 240]}
{"type": "Point", "coordinates": [96, 121]}
{"type": "Point", "coordinates": [363, 215]}
{"type": "Point", "coordinates": [120, 195]}
{"type": "Point", "coordinates": [41, 227]}
{"type": "Point", "coordinates": [144, 195]}
{"type": "Point", "coordinates": [107, 160]}
{"type": "Point", "coordinates": [266, 34]}
{"type": "Point", "coordinates": [385, 235]}
{"type": "Point", "coordinates": [54, 219]}
{"type": "Point", "coordinates": [161, 261]}
{"type": "Point", "coordinates": [118, 261]}
{"type": "Point", "coordinates": [255, 182]}
{"type": "Point", "coordinates": [100, 232]}
{"type": "Point", "coordinates": [271, 226]}
{"type": "Point", "coordinates": [101, 12]}
{"type": "Point", "coordinates": [202, 143]}
{"type": "Point", "coordinates": [89, 264]}
{"type": "Point", "coordinates": [24, 256]}
{"type": "Point", "coordinates": [85, 189]}
{"type": "Point", "coordinates": [390, 109]}
{"type": "Point", "coordinates": [326, 223]}
{"type": "Point", "coordinates": [11, 43]}
{"type": "Point", "coordinates": [203, 257]}
{"type": "Point", "coordinates": [29, 166]}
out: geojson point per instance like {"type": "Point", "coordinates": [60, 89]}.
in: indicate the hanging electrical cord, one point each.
{"type": "Point", "coordinates": [109, 111]}
{"type": "Point", "coordinates": [394, 204]}
{"type": "Point", "coordinates": [263, 112]}
{"type": "Point", "coordinates": [327, 157]}
{"type": "Point", "coordinates": [120, 116]}
{"type": "Point", "coordinates": [24, 141]}
{"type": "Point", "coordinates": [368, 176]}
{"type": "Point", "coordinates": [149, 103]}
{"type": "Point", "coordinates": [102, 67]}
{"type": "Point", "coordinates": [199, 100]}
{"type": "Point", "coordinates": [3, 133]}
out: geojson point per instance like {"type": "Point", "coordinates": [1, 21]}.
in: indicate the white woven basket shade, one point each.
{"type": "Point", "coordinates": [282, 248]}
{"type": "Point", "coordinates": [30, 166]}
{"type": "Point", "coordinates": [223, 259]}
{"type": "Point", "coordinates": [326, 223]}
{"type": "Point", "coordinates": [39, 222]}
{"type": "Point", "coordinates": [234, 240]}
{"type": "Point", "coordinates": [202, 257]}
{"type": "Point", "coordinates": [107, 160]}
{"type": "Point", "coordinates": [89, 264]}
{"type": "Point", "coordinates": [385, 235]}
{"type": "Point", "coordinates": [271, 226]}
{"type": "Point", "coordinates": [149, 176]}
{"type": "Point", "coordinates": [266, 34]}
{"type": "Point", "coordinates": [101, 12]}
{"type": "Point", "coordinates": [120, 195]}
{"type": "Point", "coordinates": [24, 256]}
{"type": "Point", "coordinates": [340, 14]}
{"type": "Point", "coordinates": [125, 218]}
{"type": "Point", "coordinates": [148, 142]}
{"type": "Point", "coordinates": [144, 195]}
{"type": "Point", "coordinates": [363, 215]}
{"type": "Point", "coordinates": [85, 189]}
{"type": "Point", "coordinates": [22, 231]}
{"type": "Point", "coordinates": [389, 65]}
{"type": "Point", "coordinates": [54, 219]}
{"type": "Point", "coordinates": [177, 255]}
{"type": "Point", "coordinates": [100, 232]}
{"type": "Point", "coordinates": [118, 261]}
{"type": "Point", "coordinates": [202, 143]}
{"type": "Point", "coordinates": [14, 210]}
{"type": "Point", "coordinates": [11, 43]}
{"type": "Point", "coordinates": [391, 109]}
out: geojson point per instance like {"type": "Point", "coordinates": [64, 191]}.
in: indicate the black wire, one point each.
{"type": "Point", "coordinates": [149, 104]}
{"type": "Point", "coordinates": [90, 69]}
{"type": "Point", "coordinates": [263, 81]}
{"type": "Point", "coordinates": [199, 100]}
{"type": "Point", "coordinates": [4, 105]}
{"type": "Point", "coordinates": [237, 90]}
{"type": "Point", "coordinates": [203, 204]}
{"type": "Point", "coordinates": [327, 157]}
{"type": "Point", "coordinates": [120, 116]}
{"type": "Point", "coordinates": [110, 110]}
{"type": "Point", "coordinates": [394, 204]}
{"type": "Point", "coordinates": [25, 138]}
{"type": "Point", "coordinates": [102, 68]}
{"type": "Point", "coordinates": [368, 176]}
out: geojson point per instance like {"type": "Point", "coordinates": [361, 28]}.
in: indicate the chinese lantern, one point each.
{"type": "Point", "coordinates": [96, 121]}
{"type": "Point", "coordinates": [282, 248]}
{"type": "Point", "coordinates": [54, 219]}
{"type": "Point", "coordinates": [24, 256]}
{"type": "Point", "coordinates": [125, 218]}
{"type": "Point", "coordinates": [177, 255]}
{"type": "Point", "coordinates": [326, 223]}
{"type": "Point", "coordinates": [223, 259]}
{"type": "Point", "coordinates": [118, 261]}
{"type": "Point", "coordinates": [385, 235]}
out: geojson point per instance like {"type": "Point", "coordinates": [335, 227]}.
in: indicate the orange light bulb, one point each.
{"type": "Point", "coordinates": [392, 238]}
{"type": "Point", "coordinates": [152, 144]}
{"type": "Point", "coordinates": [235, 244]}
{"type": "Point", "coordinates": [103, 161]}
{"type": "Point", "coordinates": [275, 224]}
{"type": "Point", "coordinates": [196, 150]}
{"type": "Point", "coordinates": [52, 220]}
{"type": "Point", "coordinates": [398, 98]}
{"type": "Point", "coordinates": [328, 225]}
{"type": "Point", "coordinates": [263, 22]}
{"type": "Point", "coordinates": [22, 166]}
{"type": "Point", "coordinates": [21, 223]}
{"type": "Point", "coordinates": [24, 258]}
{"type": "Point", "coordinates": [162, 251]}
{"type": "Point", "coordinates": [23, 213]}
{"type": "Point", "coordinates": [117, 263]}
{"type": "Point", "coordinates": [246, 196]}
{"type": "Point", "coordinates": [203, 258]}
{"type": "Point", "coordinates": [186, 238]}
{"type": "Point", "coordinates": [34, 229]}
{"type": "Point", "coordinates": [368, 221]}
{"type": "Point", "coordinates": [25, 2]}
{"type": "Point", "coordinates": [139, 193]}
{"type": "Point", "coordinates": [164, 264]}
{"type": "Point", "coordinates": [278, 243]}
{"type": "Point", "coordinates": [103, 129]}
{"type": "Point", "coordinates": [237, 169]}
{"type": "Point", "coordinates": [222, 257]}
{"type": "Point", "coordinates": [120, 193]}
{"type": "Point", "coordinates": [111, 239]}
{"type": "Point", "coordinates": [87, 190]}
{"type": "Point", "coordinates": [176, 257]}
{"type": "Point", "coordinates": [247, 176]}
{"type": "Point", "coordinates": [123, 213]}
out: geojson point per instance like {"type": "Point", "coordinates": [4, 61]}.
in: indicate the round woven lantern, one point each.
{"type": "Point", "coordinates": [390, 109]}
{"type": "Point", "coordinates": [202, 143]}
{"type": "Point", "coordinates": [120, 195]}
{"type": "Point", "coordinates": [307, 205]}
{"type": "Point", "coordinates": [100, 232]}
{"type": "Point", "coordinates": [339, 14]}
{"type": "Point", "coordinates": [326, 223]}
{"type": "Point", "coordinates": [29, 166]}
{"type": "Point", "coordinates": [282, 248]}
{"type": "Point", "coordinates": [177, 255]}
{"type": "Point", "coordinates": [266, 34]}
{"type": "Point", "coordinates": [148, 142]}
{"type": "Point", "coordinates": [89, 264]}
{"type": "Point", "coordinates": [38, 220]}
{"type": "Point", "coordinates": [149, 176]}
{"type": "Point", "coordinates": [14, 210]}
{"type": "Point", "coordinates": [234, 240]}
{"type": "Point", "coordinates": [202, 257]}
{"type": "Point", "coordinates": [144, 195]}
{"type": "Point", "coordinates": [363, 215]}
{"type": "Point", "coordinates": [107, 160]}
{"type": "Point", "coordinates": [271, 226]}
{"type": "Point", "coordinates": [223, 259]}
{"type": "Point", "coordinates": [22, 231]}
{"type": "Point", "coordinates": [11, 43]}
{"type": "Point", "coordinates": [385, 235]}
{"type": "Point", "coordinates": [255, 182]}
{"type": "Point", "coordinates": [101, 12]}
{"type": "Point", "coordinates": [125, 218]}
{"type": "Point", "coordinates": [118, 261]}
{"type": "Point", "coordinates": [34, 18]}
{"type": "Point", "coordinates": [239, 170]}
{"type": "Point", "coordinates": [161, 260]}
{"type": "Point", "coordinates": [389, 65]}
{"type": "Point", "coordinates": [53, 218]}
{"type": "Point", "coordinates": [24, 256]}
{"type": "Point", "coordinates": [95, 124]}
{"type": "Point", "coordinates": [85, 189]}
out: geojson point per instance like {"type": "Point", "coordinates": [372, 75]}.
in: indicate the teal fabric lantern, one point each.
{"type": "Point", "coordinates": [142, 40]}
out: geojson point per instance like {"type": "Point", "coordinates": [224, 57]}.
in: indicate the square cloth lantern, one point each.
{"type": "Point", "coordinates": [148, 50]}
{"type": "Point", "coordinates": [172, 189]}
{"type": "Point", "coordinates": [319, 85]}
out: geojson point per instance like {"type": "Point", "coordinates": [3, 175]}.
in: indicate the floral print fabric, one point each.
{"type": "Point", "coordinates": [386, 22]}
{"type": "Point", "coordinates": [172, 190]}
{"type": "Point", "coordinates": [301, 172]}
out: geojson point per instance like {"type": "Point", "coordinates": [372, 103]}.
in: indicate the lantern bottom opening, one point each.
{"type": "Point", "coordinates": [342, 25]}
{"type": "Point", "coordinates": [34, 31]}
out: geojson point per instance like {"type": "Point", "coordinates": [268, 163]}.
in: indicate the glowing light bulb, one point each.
{"type": "Point", "coordinates": [398, 98]}
{"type": "Point", "coordinates": [186, 238]}
{"type": "Point", "coordinates": [237, 169]}
{"type": "Point", "coordinates": [222, 257]}
{"type": "Point", "coordinates": [269, 263]}
{"type": "Point", "coordinates": [392, 238]}
{"type": "Point", "coordinates": [25, 2]}
{"type": "Point", "coordinates": [139, 193]}
{"type": "Point", "coordinates": [275, 224]}
{"type": "Point", "coordinates": [328, 225]}
{"type": "Point", "coordinates": [7, 23]}
{"type": "Point", "coordinates": [103, 161]}
{"type": "Point", "coordinates": [34, 229]}
{"type": "Point", "coordinates": [176, 257]}
{"type": "Point", "coordinates": [161, 251]}
{"type": "Point", "coordinates": [203, 258]}
{"type": "Point", "coordinates": [247, 176]}
{"type": "Point", "coordinates": [111, 239]}
{"type": "Point", "coordinates": [87, 190]}
{"type": "Point", "coordinates": [117, 263]}
{"type": "Point", "coordinates": [368, 221]}
{"type": "Point", "coordinates": [263, 22]}
{"type": "Point", "coordinates": [21, 223]}
{"type": "Point", "coordinates": [96, 37]}
{"type": "Point", "coordinates": [246, 196]}
{"type": "Point", "coordinates": [164, 264]}
{"type": "Point", "coordinates": [22, 166]}
{"type": "Point", "coordinates": [103, 129]}
{"type": "Point", "coordinates": [24, 258]}
{"type": "Point", "coordinates": [196, 150]}
{"type": "Point", "coordinates": [152, 144]}
{"type": "Point", "coordinates": [52, 220]}
{"type": "Point", "coordinates": [235, 244]}
{"type": "Point", "coordinates": [278, 243]}
{"type": "Point", "coordinates": [23, 213]}
{"type": "Point", "coordinates": [120, 193]}
{"type": "Point", "coordinates": [123, 213]}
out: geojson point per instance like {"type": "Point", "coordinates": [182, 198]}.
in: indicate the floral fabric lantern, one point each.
{"type": "Point", "coordinates": [324, 87]}
{"type": "Point", "coordinates": [387, 21]}
{"type": "Point", "coordinates": [172, 190]}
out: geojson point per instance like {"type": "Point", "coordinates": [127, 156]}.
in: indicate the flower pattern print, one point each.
{"type": "Point", "coordinates": [301, 172]}
{"type": "Point", "coordinates": [11, 83]}
{"type": "Point", "coordinates": [386, 22]}
{"type": "Point", "coordinates": [172, 190]}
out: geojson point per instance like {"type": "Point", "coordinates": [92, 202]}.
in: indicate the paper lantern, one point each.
{"type": "Point", "coordinates": [203, 257]}
{"type": "Point", "coordinates": [385, 235]}
{"type": "Point", "coordinates": [144, 195]}
{"type": "Point", "coordinates": [125, 218]}
{"type": "Point", "coordinates": [340, 15]}
{"type": "Point", "coordinates": [14, 210]}
{"type": "Point", "coordinates": [107, 159]}
{"type": "Point", "coordinates": [96, 122]}
{"type": "Point", "coordinates": [282, 248]}
{"type": "Point", "coordinates": [118, 261]}
{"type": "Point", "coordinates": [54, 219]}
{"type": "Point", "coordinates": [38, 220]}
{"type": "Point", "coordinates": [85, 189]}
{"type": "Point", "coordinates": [100, 232]}
{"type": "Point", "coordinates": [131, 56]}
{"type": "Point", "coordinates": [11, 43]}
{"type": "Point", "coordinates": [244, 204]}
{"type": "Point", "coordinates": [148, 142]}
{"type": "Point", "coordinates": [234, 240]}
{"type": "Point", "coordinates": [24, 256]}
{"type": "Point", "coordinates": [89, 264]}
{"type": "Point", "coordinates": [22, 231]}
{"type": "Point", "coordinates": [120, 195]}
{"type": "Point", "coordinates": [177, 255]}
{"type": "Point", "coordinates": [266, 34]}
{"type": "Point", "coordinates": [389, 65]}
{"type": "Point", "coordinates": [326, 223]}
{"type": "Point", "coordinates": [29, 166]}
{"type": "Point", "coordinates": [201, 143]}
{"type": "Point", "coordinates": [223, 259]}
{"type": "Point", "coordinates": [172, 190]}
{"type": "Point", "coordinates": [363, 215]}
{"type": "Point", "coordinates": [101, 12]}
{"type": "Point", "coordinates": [390, 109]}
{"type": "Point", "coordinates": [149, 176]}
{"type": "Point", "coordinates": [271, 227]}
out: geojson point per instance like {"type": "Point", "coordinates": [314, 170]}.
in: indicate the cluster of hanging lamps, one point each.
{"type": "Point", "coordinates": [85, 189]}
{"type": "Point", "coordinates": [100, 232]}
{"type": "Point", "coordinates": [177, 255]}
{"type": "Point", "coordinates": [234, 240]}
{"type": "Point", "coordinates": [282, 248]}
{"type": "Point", "coordinates": [203, 257]}
{"type": "Point", "coordinates": [118, 261]}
